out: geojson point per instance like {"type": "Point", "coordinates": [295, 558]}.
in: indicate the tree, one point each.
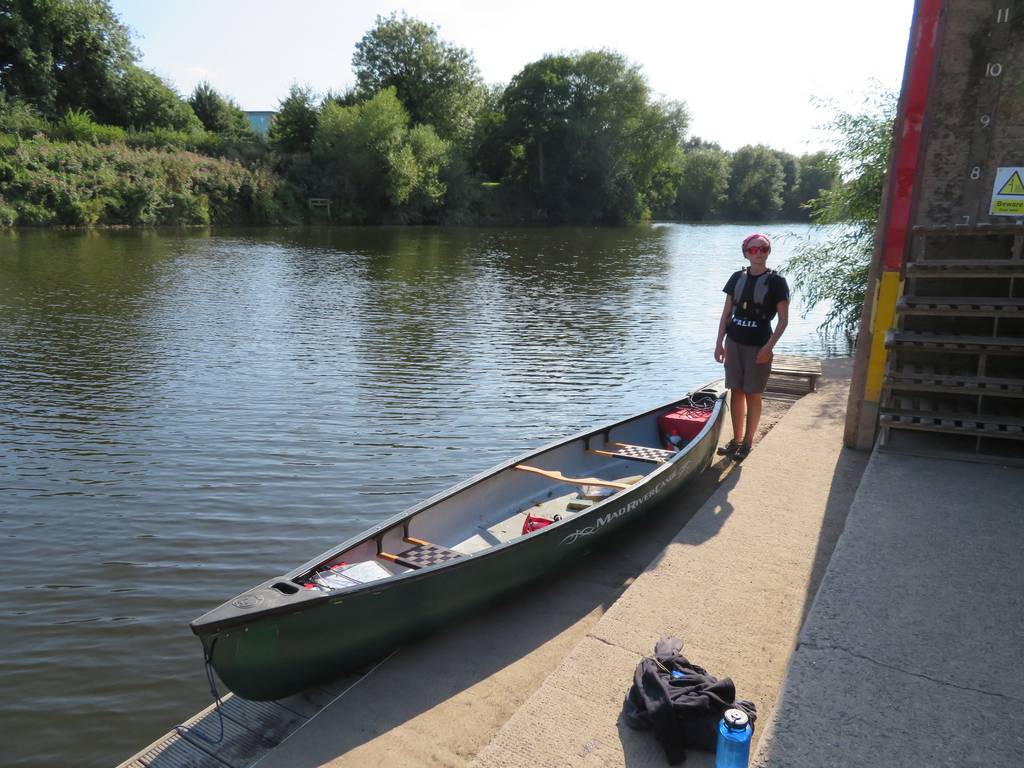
{"type": "Point", "coordinates": [438, 83]}
{"type": "Point", "coordinates": [348, 97]}
{"type": "Point", "coordinates": [791, 201]}
{"type": "Point", "coordinates": [139, 99]}
{"type": "Point", "coordinates": [379, 168]}
{"type": "Point", "coordinates": [835, 270]}
{"type": "Point", "coordinates": [586, 138]}
{"type": "Point", "coordinates": [704, 184]}
{"type": "Point", "coordinates": [664, 188]}
{"type": "Point", "coordinates": [818, 172]}
{"type": "Point", "coordinates": [654, 155]}
{"type": "Point", "coordinates": [755, 184]}
{"type": "Point", "coordinates": [491, 156]}
{"type": "Point", "coordinates": [294, 126]}
{"type": "Point", "coordinates": [62, 54]}
{"type": "Point", "coordinates": [217, 113]}
{"type": "Point", "coordinates": [696, 142]}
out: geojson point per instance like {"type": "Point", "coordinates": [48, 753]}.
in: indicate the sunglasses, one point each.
{"type": "Point", "coordinates": [765, 249]}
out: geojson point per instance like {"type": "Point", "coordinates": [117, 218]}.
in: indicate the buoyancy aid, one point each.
{"type": "Point", "coordinates": [761, 285]}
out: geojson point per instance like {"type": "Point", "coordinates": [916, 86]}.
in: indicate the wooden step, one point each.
{"type": "Point", "coordinates": [954, 343]}
{"type": "Point", "coordinates": [941, 383]}
{"type": "Point", "coordinates": [998, 418]}
{"type": "Point", "coordinates": [958, 446]}
{"type": "Point", "coordinates": [959, 306]}
{"type": "Point", "coordinates": [952, 424]}
{"type": "Point", "coordinates": [966, 268]}
{"type": "Point", "coordinates": [983, 229]}
{"type": "Point", "coordinates": [1005, 414]}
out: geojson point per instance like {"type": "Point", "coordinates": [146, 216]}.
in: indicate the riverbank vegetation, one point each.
{"type": "Point", "coordinates": [89, 137]}
{"type": "Point", "coordinates": [834, 269]}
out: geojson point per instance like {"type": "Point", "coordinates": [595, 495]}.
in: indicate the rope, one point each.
{"type": "Point", "coordinates": [182, 730]}
{"type": "Point", "coordinates": [185, 732]}
{"type": "Point", "coordinates": [702, 401]}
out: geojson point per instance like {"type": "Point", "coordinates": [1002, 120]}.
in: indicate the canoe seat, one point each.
{"type": "Point", "coordinates": [422, 554]}
{"type": "Point", "coordinates": [636, 452]}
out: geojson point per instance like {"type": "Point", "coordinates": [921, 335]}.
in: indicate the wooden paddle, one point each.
{"type": "Point", "coordinates": [556, 475]}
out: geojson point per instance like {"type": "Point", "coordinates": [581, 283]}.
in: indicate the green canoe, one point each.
{"type": "Point", "coordinates": [451, 553]}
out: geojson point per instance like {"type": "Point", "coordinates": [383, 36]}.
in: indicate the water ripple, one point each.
{"type": "Point", "coordinates": [183, 415]}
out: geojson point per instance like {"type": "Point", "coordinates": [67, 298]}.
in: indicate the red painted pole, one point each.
{"type": "Point", "coordinates": [925, 38]}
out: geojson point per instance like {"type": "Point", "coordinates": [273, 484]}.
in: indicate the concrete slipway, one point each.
{"type": "Point", "coordinates": [912, 653]}
{"type": "Point", "coordinates": [734, 583]}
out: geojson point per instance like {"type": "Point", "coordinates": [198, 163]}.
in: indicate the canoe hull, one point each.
{"type": "Point", "coordinates": [282, 653]}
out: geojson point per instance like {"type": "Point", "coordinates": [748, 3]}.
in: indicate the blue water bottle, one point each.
{"type": "Point", "coordinates": [733, 750]}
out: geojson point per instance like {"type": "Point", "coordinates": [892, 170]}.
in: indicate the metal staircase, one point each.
{"type": "Point", "coordinates": [954, 383]}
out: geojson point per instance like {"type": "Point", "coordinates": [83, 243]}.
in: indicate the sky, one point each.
{"type": "Point", "coordinates": [748, 70]}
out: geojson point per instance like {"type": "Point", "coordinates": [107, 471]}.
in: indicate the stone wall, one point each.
{"type": "Point", "coordinates": [979, 75]}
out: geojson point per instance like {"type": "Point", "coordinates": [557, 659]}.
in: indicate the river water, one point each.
{"type": "Point", "coordinates": [184, 414]}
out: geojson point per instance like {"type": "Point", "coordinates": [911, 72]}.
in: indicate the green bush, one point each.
{"type": "Point", "coordinates": [218, 113]}
{"type": "Point", "coordinates": [75, 126]}
{"type": "Point", "coordinates": [19, 118]}
{"type": "Point", "coordinates": [144, 100]}
{"type": "Point", "coordinates": [376, 167]}
{"type": "Point", "coordinates": [8, 215]}
{"type": "Point", "coordinates": [78, 125]}
{"type": "Point", "coordinates": [33, 215]}
{"type": "Point", "coordinates": [163, 138]}
{"type": "Point", "coordinates": [294, 125]}
{"type": "Point", "coordinates": [76, 183]}
{"type": "Point", "coordinates": [247, 149]}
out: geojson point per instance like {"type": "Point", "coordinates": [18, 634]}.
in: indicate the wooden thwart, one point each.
{"type": "Point", "coordinates": [556, 475]}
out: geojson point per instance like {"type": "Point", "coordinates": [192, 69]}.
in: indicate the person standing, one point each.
{"type": "Point", "coordinates": [754, 296]}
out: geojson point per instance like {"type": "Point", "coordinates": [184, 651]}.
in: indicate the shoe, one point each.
{"type": "Point", "coordinates": [729, 448]}
{"type": "Point", "coordinates": [741, 453]}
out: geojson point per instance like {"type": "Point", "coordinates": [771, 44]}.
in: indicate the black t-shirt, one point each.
{"type": "Point", "coordinates": [749, 324]}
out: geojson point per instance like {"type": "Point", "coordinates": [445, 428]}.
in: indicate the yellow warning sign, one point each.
{"type": "Point", "coordinates": [1008, 193]}
{"type": "Point", "coordinates": [1013, 185]}
{"type": "Point", "coordinates": [1008, 207]}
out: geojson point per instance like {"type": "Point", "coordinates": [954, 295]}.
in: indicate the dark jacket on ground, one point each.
{"type": "Point", "coordinates": [684, 712]}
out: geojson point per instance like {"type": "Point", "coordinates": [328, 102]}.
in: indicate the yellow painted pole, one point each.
{"type": "Point", "coordinates": [889, 291]}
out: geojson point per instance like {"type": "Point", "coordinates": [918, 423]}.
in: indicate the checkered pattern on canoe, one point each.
{"type": "Point", "coordinates": [425, 555]}
{"type": "Point", "coordinates": [656, 455]}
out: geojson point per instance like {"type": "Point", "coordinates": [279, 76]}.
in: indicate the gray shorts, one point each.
{"type": "Point", "coordinates": [741, 369]}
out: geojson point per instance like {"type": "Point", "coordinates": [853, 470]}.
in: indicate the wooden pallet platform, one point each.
{"type": "Point", "coordinates": [794, 374]}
